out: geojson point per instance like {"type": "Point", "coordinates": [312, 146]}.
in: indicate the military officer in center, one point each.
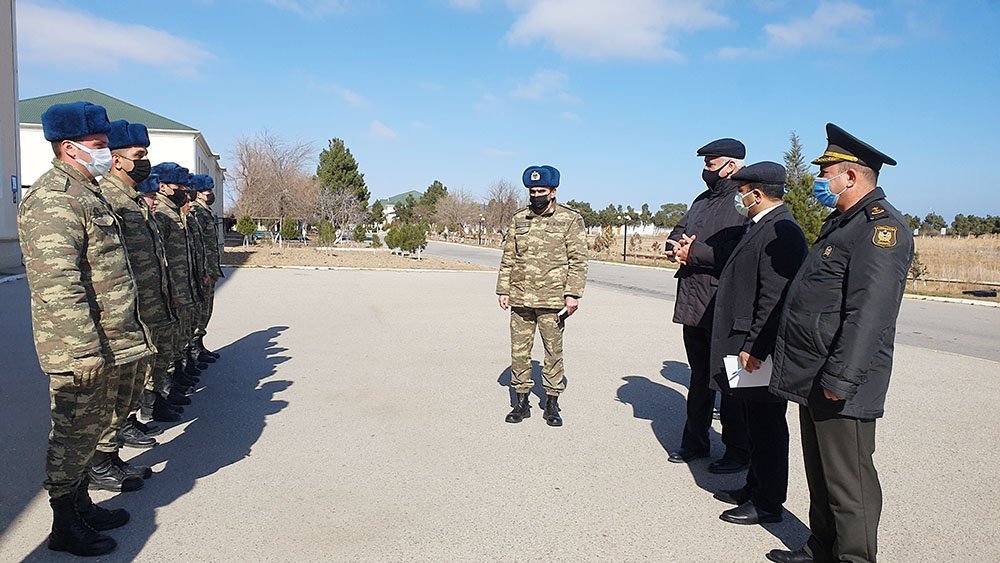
{"type": "Point", "coordinates": [542, 275]}
{"type": "Point", "coordinates": [833, 354]}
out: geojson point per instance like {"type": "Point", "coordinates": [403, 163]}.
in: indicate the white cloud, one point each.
{"type": "Point", "coordinates": [468, 5]}
{"type": "Point", "coordinates": [602, 29]}
{"type": "Point", "coordinates": [832, 23]}
{"type": "Point", "coordinates": [420, 125]}
{"type": "Point", "coordinates": [545, 85]}
{"type": "Point", "coordinates": [569, 116]}
{"type": "Point", "coordinates": [381, 131]}
{"type": "Point", "coordinates": [496, 153]}
{"type": "Point", "coordinates": [309, 8]}
{"type": "Point", "coordinates": [353, 98]}
{"type": "Point", "coordinates": [45, 35]}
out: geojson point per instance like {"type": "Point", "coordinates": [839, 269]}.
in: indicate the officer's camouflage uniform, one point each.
{"type": "Point", "coordinates": [203, 214]}
{"type": "Point", "coordinates": [544, 261]}
{"type": "Point", "coordinates": [175, 243]}
{"type": "Point", "coordinates": [149, 264]}
{"type": "Point", "coordinates": [83, 305]}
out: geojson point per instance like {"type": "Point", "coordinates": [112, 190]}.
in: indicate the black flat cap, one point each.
{"type": "Point", "coordinates": [761, 173]}
{"type": "Point", "coordinates": [844, 147]}
{"type": "Point", "coordinates": [724, 147]}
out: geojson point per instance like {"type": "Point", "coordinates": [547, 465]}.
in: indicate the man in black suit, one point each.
{"type": "Point", "coordinates": [748, 304]}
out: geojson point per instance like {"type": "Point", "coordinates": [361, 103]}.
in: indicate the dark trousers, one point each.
{"type": "Point", "coordinates": [701, 399]}
{"type": "Point", "coordinates": [845, 499]}
{"type": "Point", "coordinates": [767, 479]}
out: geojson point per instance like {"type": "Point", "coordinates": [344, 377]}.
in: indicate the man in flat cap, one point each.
{"type": "Point", "coordinates": [833, 353]}
{"type": "Point", "coordinates": [748, 305]}
{"type": "Point", "coordinates": [201, 210]}
{"type": "Point", "coordinates": [542, 274]}
{"type": "Point", "coordinates": [129, 144]}
{"type": "Point", "coordinates": [83, 310]}
{"type": "Point", "coordinates": [701, 242]}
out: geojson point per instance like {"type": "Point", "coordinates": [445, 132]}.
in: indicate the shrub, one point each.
{"type": "Point", "coordinates": [376, 242]}
{"type": "Point", "coordinates": [359, 233]}
{"type": "Point", "coordinates": [290, 229]}
{"type": "Point", "coordinates": [327, 232]}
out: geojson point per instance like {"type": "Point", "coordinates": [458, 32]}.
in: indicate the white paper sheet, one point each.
{"type": "Point", "coordinates": [738, 377]}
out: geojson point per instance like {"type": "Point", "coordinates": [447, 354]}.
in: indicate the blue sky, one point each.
{"type": "Point", "coordinates": [617, 94]}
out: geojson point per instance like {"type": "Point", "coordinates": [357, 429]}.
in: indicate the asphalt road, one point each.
{"type": "Point", "coordinates": [358, 416]}
{"type": "Point", "coordinates": [957, 328]}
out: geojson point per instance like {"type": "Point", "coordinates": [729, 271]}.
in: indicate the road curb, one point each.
{"type": "Point", "coordinates": [11, 278]}
{"type": "Point", "coordinates": [951, 300]}
{"type": "Point", "coordinates": [353, 269]}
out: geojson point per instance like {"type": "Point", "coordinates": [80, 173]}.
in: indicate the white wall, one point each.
{"type": "Point", "coordinates": [10, 250]}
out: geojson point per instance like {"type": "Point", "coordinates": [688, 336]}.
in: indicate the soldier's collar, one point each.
{"type": "Point", "coordinates": [548, 212]}
{"type": "Point", "coordinates": [865, 203]}
{"type": "Point", "coordinates": [69, 170]}
{"type": "Point", "coordinates": [119, 184]}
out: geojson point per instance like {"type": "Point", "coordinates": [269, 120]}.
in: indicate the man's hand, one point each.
{"type": "Point", "coordinates": [682, 248]}
{"type": "Point", "coordinates": [88, 370]}
{"type": "Point", "coordinates": [572, 304]}
{"type": "Point", "coordinates": [504, 301]}
{"type": "Point", "coordinates": [749, 363]}
{"type": "Point", "coordinates": [831, 396]}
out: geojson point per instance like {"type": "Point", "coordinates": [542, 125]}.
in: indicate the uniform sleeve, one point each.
{"type": "Point", "coordinates": [576, 251]}
{"type": "Point", "coordinates": [54, 237]}
{"type": "Point", "coordinates": [876, 277]}
{"type": "Point", "coordinates": [779, 262]}
{"type": "Point", "coordinates": [506, 262]}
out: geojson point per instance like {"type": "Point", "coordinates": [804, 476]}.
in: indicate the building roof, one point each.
{"type": "Point", "coordinates": [31, 109]}
{"type": "Point", "coordinates": [399, 198]}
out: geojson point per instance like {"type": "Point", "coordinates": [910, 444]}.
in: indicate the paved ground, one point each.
{"type": "Point", "coordinates": [961, 329]}
{"type": "Point", "coordinates": [365, 423]}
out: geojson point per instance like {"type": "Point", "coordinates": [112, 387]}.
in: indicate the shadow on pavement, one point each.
{"type": "Point", "coordinates": [229, 413]}
{"type": "Point", "coordinates": [666, 409]}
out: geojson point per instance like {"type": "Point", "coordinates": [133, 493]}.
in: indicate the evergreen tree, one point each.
{"type": "Point", "coordinates": [669, 215]}
{"type": "Point", "coordinates": [337, 170]}
{"type": "Point", "coordinates": [590, 218]}
{"type": "Point", "coordinates": [290, 229]}
{"type": "Point", "coordinates": [246, 227]}
{"type": "Point", "coordinates": [433, 194]}
{"type": "Point", "coordinates": [807, 211]}
{"type": "Point", "coordinates": [377, 214]}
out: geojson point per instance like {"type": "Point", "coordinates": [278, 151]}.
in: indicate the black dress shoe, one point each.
{"type": "Point", "coordinates": [149, 429]}
{"type": "Point", "coordinates": [723, 466]}
{"type": "Point", "coordinates": [104, 474]}
{"type": "Point", "coordinates": [130, 435]}
{"type": "Point", "coordinates": [685, 456]}
{"type": "Point", "coordinates": [782, 556]}
{"type": "Point", "coordinates": [748, 514]}
{"type": "Point", "coordinates": [732, 496]}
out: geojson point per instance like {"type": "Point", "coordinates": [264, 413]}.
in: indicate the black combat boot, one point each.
{"type": "Point", "coordinates": [551, 414]}
{"type": "Point", "coordinates": [177, 397]}
{"type": "Point", "coordinates": [190, 369]}
{"type": "Point", "coordinates": [201, 344]}
{"type": "Point", "coordinates": [192, 359]}
{"type": "Point", "coordinates": [104, 474]}
{"type": "Point", "coordinates": [162, 411]}
{"type": "Point", "coordinates": [130, 435]}
{"type": "Point", "coordinates": [146, 428]}
{"type": "Point", "coordinates": [181, 375]}
{"type": "Point", "coordinates": [140, 471]}
{"type": "Point", "coordinates": [71, 533]}
{"type": "Point", "coordinates": [522, 409]}
{"type": "Point", "coordinates": [200, 353]}
{"type": "Point", "coordinates": [98, 517]}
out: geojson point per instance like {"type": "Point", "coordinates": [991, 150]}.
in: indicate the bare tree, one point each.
{"type": "Point", "coordinates": [341, 208]}
{"type": "Point", "coordinates": [458, 209]}
{"type": "Point", "coordinates": [270, 177]}
{"type": "Point", "coordinates": [503, 199]}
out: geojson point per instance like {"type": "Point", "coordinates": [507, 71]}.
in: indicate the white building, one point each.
{"type": "Point", "coordinates": [10, 250]}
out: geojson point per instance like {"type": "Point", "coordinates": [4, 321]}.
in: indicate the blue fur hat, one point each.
{"type": "Point", "coordinates": [150, 185]}
{"type": "Point", "coordinates": [124, 134]}
{"type": "Point", "coordinates": [540, 177]}
{"type": "Point", "coordinates": [72, 121]}
{"type": "Point", "coordinates": [171, 173]}
{"type": "Point", "coordinates": [204, 182]}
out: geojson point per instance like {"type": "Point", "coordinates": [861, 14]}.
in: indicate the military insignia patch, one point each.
{"type": "Point", "coordinates": [535, 176]}
{"type": "Point", "coordinates": [827, 251]}
{"type": "Point", "coordinates": [876, 210]}
{"type": "Point", "coordinates": [884, 236]}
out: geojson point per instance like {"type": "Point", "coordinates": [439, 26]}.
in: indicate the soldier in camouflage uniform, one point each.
{"type": "Point", "coordinates": [129, 143]}
{"type": "Point", "coordinates": [199, 272]}
{"type": "Point", "coordinates": [86, 326]}
{"type": "Point", "coordinates": [542, 275]}
{"type": "Point", "coordinates": [171, 196]}
{"type": "Point", "coordinates": [202, 211]}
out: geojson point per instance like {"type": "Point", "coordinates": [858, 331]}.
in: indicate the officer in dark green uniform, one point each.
{"type": "Point", "coordinates": [833, 354]}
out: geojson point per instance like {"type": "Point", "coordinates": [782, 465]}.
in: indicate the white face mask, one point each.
{"type": "Point", "coordinates": [100, 160]}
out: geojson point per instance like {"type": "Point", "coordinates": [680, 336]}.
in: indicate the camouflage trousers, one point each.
{"type": "Point", "coordinates": [523, 321]}
{"type": "Point", "coordinates": [122, 396]}
{"type": "Point", "coordinates": [163, 363]}
{"type": "Point", "coordinates": [205, 312]}
{"type": "Point", "coordinates": [185, 330]}
{"type": "Point", "coordinates": [79, 417]}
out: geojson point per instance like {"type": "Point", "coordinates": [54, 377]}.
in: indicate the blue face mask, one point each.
{"type": "Point", "coordinates": [821, 189]}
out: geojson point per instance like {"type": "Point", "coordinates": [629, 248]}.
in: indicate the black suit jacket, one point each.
{"type": "Point", "coordinates": [751, 293]}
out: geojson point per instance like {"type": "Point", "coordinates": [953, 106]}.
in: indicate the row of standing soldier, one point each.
{"type": "Point", "coordinates": [122, 275]}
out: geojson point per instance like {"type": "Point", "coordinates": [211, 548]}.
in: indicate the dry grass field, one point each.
{"type": "Point", "coordinates": [267, 255]}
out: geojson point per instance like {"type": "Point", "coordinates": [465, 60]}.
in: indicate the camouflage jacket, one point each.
{"type": "Point", "coordinates": [544, 258]}
{"type": "Point", "coordinates": [197, 246]}
{"type": "Point", "coordinates": [145, 251]}
{"type": "Point", "coordinates": [209, 231]}
{"type": "Point", "coordinates": [175, 243]}
{"type": "Point", "coordinates": [83, 296]}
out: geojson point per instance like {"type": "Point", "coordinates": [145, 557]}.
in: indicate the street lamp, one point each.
{"type": "Point", "coordinates": [481, 220]}
{"type": "Point", "coordinates": [624, 220]}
